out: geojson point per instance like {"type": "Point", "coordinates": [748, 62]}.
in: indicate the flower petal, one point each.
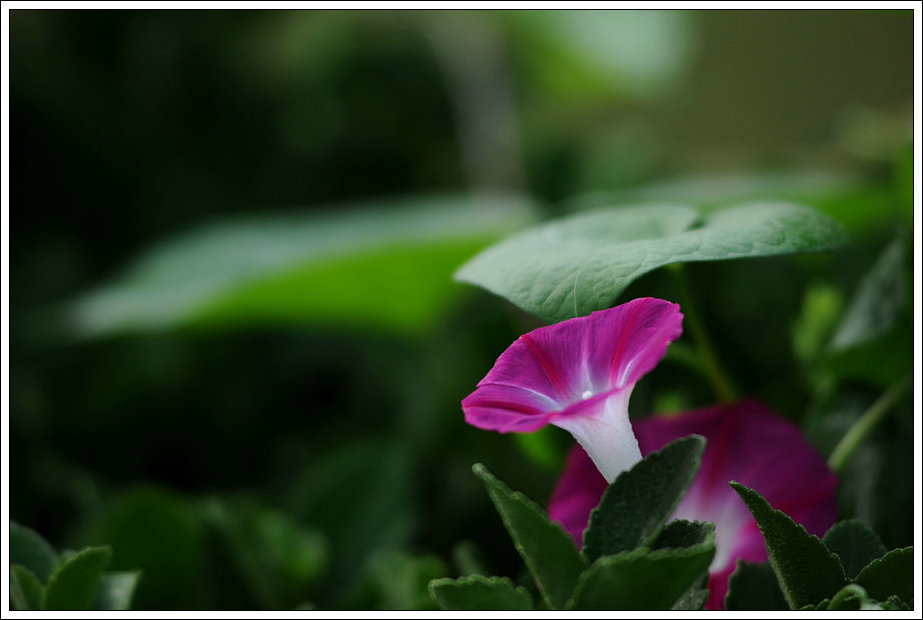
{"type": "Point", "coordinates": [747, 443]}
{"type": "Point", "coordinates": [553, 369]}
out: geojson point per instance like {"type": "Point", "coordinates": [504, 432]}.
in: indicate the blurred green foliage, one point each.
{"type": "Point", "coordinates": [296, 440]}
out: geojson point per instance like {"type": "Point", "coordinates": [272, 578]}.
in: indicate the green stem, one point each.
{"type": "Point", "coordinates": [864, 425]}
{"type": "Point", "coordinates": [719, 379]}
{"type": "Point", "coordinates": [849, 591]}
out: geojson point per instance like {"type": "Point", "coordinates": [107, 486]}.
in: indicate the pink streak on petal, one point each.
{"type": "Point", "coordinates": [747, 443]}
{"type": "Point", "coordinates": [563, 369]}
{"type": "Point", "coordinates": [629, 344]}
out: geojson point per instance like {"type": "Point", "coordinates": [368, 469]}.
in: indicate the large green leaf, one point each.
{"type": "Point", "coordinates": [635, 507]}
{"type": "Point", "coordinates": [30, 550]}
{"type": "Point", "coordinates": [889, 575]}
{"type": "Point", "coordinates": [754, 587]}
{"type": "Point", "coordinates": [547, 550]}
{"type": "Point", "coordinates": [855, 544]}
{"type": "Point", "coordinates": [385, 265]}
{"type": "Point", "coordinates": [477, 592]}
{"type": "Point", "coordinates": [578, 264]}
{"type": "Point", "coordinates": [642, 579]}
{"type": "Point", "coordinates": [807, 571]}
{"type": "Point", "coordinates": [74, 583]}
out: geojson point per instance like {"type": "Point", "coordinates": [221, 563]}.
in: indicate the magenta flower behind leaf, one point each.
{"type": "Point", "coordinates": [746, 442]}
{"type": "Point", "coordinates": [579, 374]}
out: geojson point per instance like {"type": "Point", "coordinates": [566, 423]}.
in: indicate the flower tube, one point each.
{"type": "Point", "coordinates": [579, 374]}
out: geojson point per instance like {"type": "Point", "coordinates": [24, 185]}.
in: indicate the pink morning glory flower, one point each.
{"type": "Point", "coordinates": [578, 374]}
{"type": "Point", "coordinates": [746, 442]}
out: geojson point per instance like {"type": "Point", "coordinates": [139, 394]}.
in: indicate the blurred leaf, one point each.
{"type": "Point", "coordinates": [881, 361]}
{"type": "Point", "coordinates": [821, 308]}
{"type": "Point", "coordinates": [27, 593]}
{"type": "Point", "coordinates": [680, 533]}
{"type": "Point", "coordinates": [877, 303]}
{"type": "Point", "coordinates": [806, 570]}
{"type": "Point", "coordinates": [855, 544]}
{"type": "Point", "coordinates": [642, 579]}
{"type": "Point", "coordinates": [546, 447]}
{"type": "Point", "coordinates": [754, 587]}
{"type": "Point", "coordinates": [159, 533]}
{"type": "Point", "coordinates": [575, 265]}
{"type": "Point", "coordinates": [74, 583]}
{"type": "Point", "coordinates": [402, 580]}
{"type": "Point", "coordinates": [577, 54]}
{"type": "Point", "coordinates": [116, 591]}
{"type": "Point", "coordinates": [480, 593]}
{"type": "Point", "coordinates": [276, 558]}
{"type": "Point", "coordinates": [361, 497]}
{"type": "Point", "coordinates": [635, 507]}
{"type": "Point", "coordinates": [547, 550]}
{"type": "Point", "coordinates": [467, 559]}
{"type": "Point", "coordinates": [388, 265]}
{"type": "Point", "coordinates": [889, 575]}
{"type": "Point", "coordinates": [31, 551]}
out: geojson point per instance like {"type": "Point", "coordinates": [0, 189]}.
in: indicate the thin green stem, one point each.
{"type": "Point", "coordinates": [849, 591]}
{"type": "Point", "coordinates": [864, 425]}
{"type": "Point", "coordinates": [720, 380]}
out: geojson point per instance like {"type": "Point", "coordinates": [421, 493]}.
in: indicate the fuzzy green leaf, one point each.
{"type": "Point", "coordinates": [578, 264]}
{"type": "Point", "coordinates": [681, 533]}
{"type": "Point", "coordinates": [30, 550]}
{"type": "Point", "coordinates": [634, 509]}
{"type": "Point", "coordinates": [547, 550]}
{"type": "Point", "coordinates": [477, 592]}
{"type": "Point", "coordinates": [806, 570]}
{"type": "Point", "coordinates": [889, 575]}
{"type": "Point", "coordinates": [26, 590]}
{"type": "Point", "coordinates": [74, 583]}
{"type": "Point", "coordinates": [642, 579]}
{"type": "Point", "coordinates": [855, 544]}
{"type": "Point", "coordinates": [754, 587]}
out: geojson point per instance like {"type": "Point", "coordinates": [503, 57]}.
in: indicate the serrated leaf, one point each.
{"type": "Point", "coordinates": [889, 575]}
{"type": "Point", "coordinates": [477, 592]}
{"type": "Point", "coordinates": [116, 591]}
{"type": "Point", "coordinates": [806, 570]}
{"type": "Point", "coordinates": [642, 579]}
{"type": "Point", "coordinates": [27, 593]}
{"type": "Point", "coordinates": [575, 265]}
{"type": "Point", "coordinates": [754, 587]}
{"type": "Point", "coordinates": [681, 533]}
{"type": "Point", "coordinates": [635, 507]}
{"type": "Point", "coordinates": [386, 265]}
{"type": "Point", "coordinates": [547, 550]}
{"type": "Point", "coordinates": [29, 549]}
{"type": "Point", "coordinates": [74, 583]}
{"type": "Point", "coordinates": [855, 544]}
